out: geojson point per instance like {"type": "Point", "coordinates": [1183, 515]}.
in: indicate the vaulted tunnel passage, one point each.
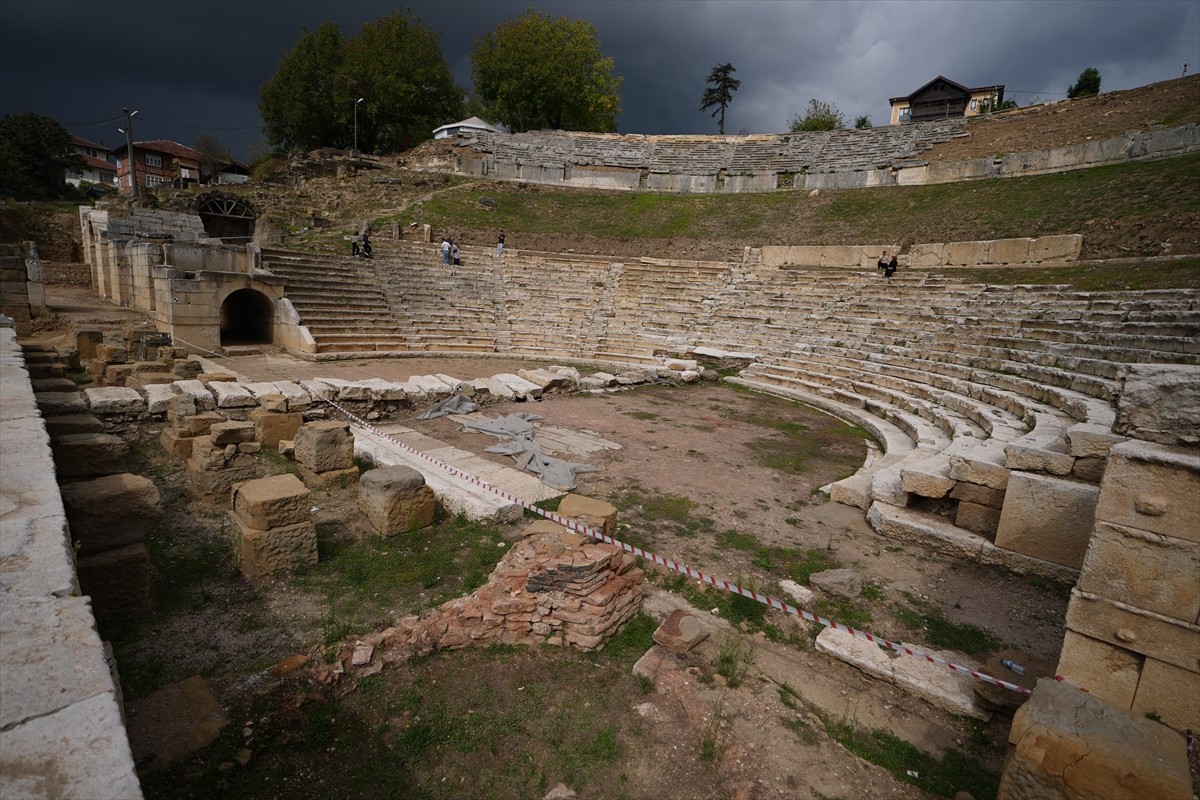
{"type": "Point", "coordinates": [227, 218]}
{"type": "Point", "coordinates": [247, 317]}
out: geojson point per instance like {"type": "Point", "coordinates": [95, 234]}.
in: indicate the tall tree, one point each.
{"type": "Point", "coordinates": [719, 94]}
{"type": "Point", "coordinates": [396, 65]}
{"type": "Point", "coordinates": [863, 121]}
{"type": "Point", "coordinates": [301, 103]}
{"type": "Point", "coordinates": [1087, 84]}
{"type": "Point", "coordinates": [821, 116]}
{"type": "Point", "coordinates": [215, 155]}
{"type": "Point", "coordinates": [538, 71]}
{"type": "Point", "coordinates": [35, 155]}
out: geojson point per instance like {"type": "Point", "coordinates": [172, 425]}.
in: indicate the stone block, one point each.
{"type": "Point", "coordinates": [276, 403]}
{"type": "Point", "coordinates": [89, 455]}
{"type": "Point", "coordinates": [1038, 459]}
{"type": "Point", "coordinates": [1065, 743]}
{"type": "Point", "coordinates": [983, 464]}
{"type": "Point", "coordinates": [224, 433]}
{"type": "Point", "coordinates": [118, 581]}
{"type": "Point", "coordinates": [1152, 635]}
{"type": "Point", "coordinates": [231, 395]}
{"type": "Point", "coordinates": [281, 549]}
{"type": "Point", "coordinates": [174, 444]}
{"type": "Point", "coordinates": [1060, 248]}
{"type": "Point", "coordinates": [111, 353]}
{"type": "Point", "coordinates": [839, 582]}
{"type": "Point", "coordinates": [72, 424]}
{"type": "Point", "coordinates": [325, 446]}
{"type": "Point", "coordinates": [1047, 518]}
{"type": "Point", "coordinates": [1104, 669]}
{"type": "Point", "coordinates": [965, 254]}
{"type": "Point", "coordinates": [173, 722]}
{"type": "Point", "coordinates": [979, 495]}
{"type": "Point", "coordinates": [201, 424]}
{"type": "Point", "coordinates": [1090, 470]}
{"type": "Point", "coordinates": [1143, 569]}
{"type": "Point", "coordinates": [271, 427]}
{"type": "Point", "coordinates": [180, 406]}
{"type": "Point", "coordinates": [323, 480]}
{"type": "Point", "coordinates": [1088, 441]}
{"type": "Point", "coordinates": [54, 403]}
{"type": "Point", "coordinates": [159, 397]}
{"type": "Point", "coordinates": [1009, 251]}
{"type": "Point", "coordinates": [110, 512]}
{"type": "Point", "coordinates": [977, 518]}
{"type": "Point", "coordinates": [1159, 403]}
{"type": "Point", "coordinates": [1152, 487]}
{"type": "Point", "coordinates": [86, 342]}
{"type": "Point", "coordinates": [214, 486]}
{"type": "Point", "coordinates": [1171, 693]}
{"type": "Point", "coordinates": [929, 254]}
{"type": "Point", "coordinates": [595, 514]}
{"type": "Point", "coordinates": [396, 500]}
{"type": "Point", "coordinates": [115, 400]}
{"type": "Point", "coordinates": [42, 385]}
{"type": "Point", "coordinates": [148, 368]}
{"type": "Point", "coordinates": [115, 374]}
{"type": "Point", "coordinates": [266, 503]}
{"type": "Point", "coordinates": [680, 632]}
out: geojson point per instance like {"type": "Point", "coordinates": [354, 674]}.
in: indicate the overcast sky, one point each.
{"type": "Point", "coordinates": [195, 66]}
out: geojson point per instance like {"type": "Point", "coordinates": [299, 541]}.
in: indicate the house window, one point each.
{"type": "Point", "coordinates": [91, 151]}
{"type": "Point", "coordinates": [906, 114]}
{"type": "Point", "coordinates": [974, 105]}
{"type": "Point", "coordinates": [154, 180]}
{"type": "Point", "coordinates": [153, 161]}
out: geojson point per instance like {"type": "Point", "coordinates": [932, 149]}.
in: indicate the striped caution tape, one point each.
{"type": "Point", "coordinates": [712, 580]}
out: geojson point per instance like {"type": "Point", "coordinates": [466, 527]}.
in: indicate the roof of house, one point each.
{"type": "Point", "coordinates": [164, 146]}
{"type": "Point", "coordinates": [99, 163]}
{"type": "Point", "coordinates": [954, 84]}
{"type": "Point", "coordinates": [81, 142]}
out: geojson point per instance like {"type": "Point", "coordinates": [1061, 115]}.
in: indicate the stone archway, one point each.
{"type": "Point", "coordinates": [247, 317]}
{"type": "Point", "coordinates": [227, 217]}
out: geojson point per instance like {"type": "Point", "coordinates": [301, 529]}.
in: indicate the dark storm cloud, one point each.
{"type": "Point", "coordinates": [193, 67]}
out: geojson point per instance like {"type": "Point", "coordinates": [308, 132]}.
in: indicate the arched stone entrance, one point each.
{"type": "Point", "coordinates": [227, 217]}
{"type": "Point", "coordinates": [247, 317]}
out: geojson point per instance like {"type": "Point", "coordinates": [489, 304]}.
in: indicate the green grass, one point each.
{"type": "Point", "coordinates": [938, 631]}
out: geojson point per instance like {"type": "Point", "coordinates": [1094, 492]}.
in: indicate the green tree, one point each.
{"type": "Point", "coordinates": [396, 65]}
{"type": "Point", "coordinates": [863, 121]}
{"type": "Point", "coordinates": [538, 71]}
{"type": "Point", "coordinates": [301, 103]}
{"type": "Point", "coordinates": [35, 155]}
{"type": "Point", "coordinates": [821, 116]}
{"type": "Point", "coordinates": [719, 94]}
{"type": "Point", "coordinates": [1088, 84]}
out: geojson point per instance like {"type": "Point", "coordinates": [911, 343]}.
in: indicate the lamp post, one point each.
{"type": "Point", "coordinates": [128, 131]}
{"type": "Point", "coordinates": [356, 102]}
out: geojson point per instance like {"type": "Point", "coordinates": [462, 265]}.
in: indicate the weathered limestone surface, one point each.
{"type": "Point", "coordinates": [1148, 570]}
{"type": "Point", "coordinates": [1152, 488]}
{"type": "Point", "coordinates": [173, 722]}
{"type": "Point", "coordinates": [114, 400]}
{"type": "Point", "coordinates": [1160, 403]}
{"type": "Point", "coordinates": [324, 446]}
{"type": "Point", "coordinates": [272, 427]}
{"type": "Point", "coordinates": [590, 512]}
{"type": "Point", "coordinates": [1065, 743]}
{"type": "Point", "coordinates": [1090, 662]}
{"type": "Point", "coordinates": [396, 500]}
{"type": "Point", "coordinates": [87, 455]}
{"type": "Point", "coordinates": [117, 580]}
{"type": "Point", "coordinates": [110, 512]}
{"type": "Point", "coordinates": [280, 549]}
{"type": "Point", "coordinates": [266, 503]}
{"type": "Point", "coordinates": [53, 403]}
{"type": "Point", "coordinates": [680, 632]}
{"type": "Point", "coordinates": [1047, 518]}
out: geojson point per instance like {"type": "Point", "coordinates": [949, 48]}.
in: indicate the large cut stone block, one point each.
{"type": "Point", "coordinates": [325, 446]}
{"type": "Point", "coordinates": [1147, 570]}
{"type": "Point", "coordinates": [1065, 743]}
{"type": "Point", "coordinates": [1047, 518]}
{"type": "Point", "coordinates": [52, 403]}
{"type": "Point", "coordinates": [1152, 487]}
{"type": "Point", "coordinates": [110, 512]}
{"type": "Point", "coordinates": [595, 514]}
{"type": "Point", "coordinates": [272, 502]}
{"type": "Point", "coordinates": [71, 424]}
{"type": "Point", "coordinates": [271, 427]}
{"type": "Point", "coordinates": [1170, 692]}
{"type": "Point", "coordinates": [1144, 632]}
{"type": "Point", "coordinates": [88, 455]}
{"type": "Point", "coordinates": [117, 580]}
{"type": "Point", "coordinates": [977, 518]}
{"type": "Point", "coordinates": [282, 549]}
{"type": "Point", "coordinates": [223, 433]}
{"type": "Point", "coordinates": [213, 486]}
{"type": "Point", "coordinates": [115, 400]}
{"type": "Point", "coordinates": [1160, 403]}
{"type": "Point", "coordinates": [1106, 670]}
{"type": "Point", "coordinates": [173, 722]}
{"type": "Point", "coordinates": [396, 500]}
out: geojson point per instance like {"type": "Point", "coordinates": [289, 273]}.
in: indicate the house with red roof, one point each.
{"type": "Point", "coordinates": [158, 162]}
{"type": "Point", "coordinates": [97, 168]}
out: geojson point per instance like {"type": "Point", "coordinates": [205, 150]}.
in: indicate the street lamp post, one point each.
{"type": "Point", "coordinates": [128, 131]}
{"type": "Point", "coordinates": [356, 102]}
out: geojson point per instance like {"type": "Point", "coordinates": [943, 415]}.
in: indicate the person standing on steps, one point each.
{"type": "Point", "coordinates": [354, 244]}
{"type": "Point", "coordinates": [500, 244]}
{"type": "Point", "coordinates": [445, 248]}
{"type": "Point", "coordinates": [883, 260]}
{"type": "Point", "coordinates": [366, 246]}
{"type": "Point", "coordinates": [891, 268]}
{"type": "Point", "coordinates": [454, 254]}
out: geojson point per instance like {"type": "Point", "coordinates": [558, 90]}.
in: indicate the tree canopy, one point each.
{"type": "Point", "coordinates": [35, 154]}
{"type": "Point", "coordinates": [539, 71]}
{"type": "Point", "coordinates": [821, 116]}
{"type": "Point", "coordinates": [719, 94]}
{"type": "Point", "coordinates": [395, 64]}
{"type": "Point", "coordinates": [1087, 84]}
{"type": "Point", "coordinates": [215, 154]}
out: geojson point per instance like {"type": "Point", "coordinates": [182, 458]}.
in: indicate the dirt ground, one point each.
{"type": "Point", "coordinates": [723, 480]}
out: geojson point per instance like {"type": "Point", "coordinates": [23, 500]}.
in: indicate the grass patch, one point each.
{"type": "Point", "coordinates": [734, 659]}
{"type": "Point", "coordinates": [844, 611]}
{"type": "Point", "coordinates": [938, 631]}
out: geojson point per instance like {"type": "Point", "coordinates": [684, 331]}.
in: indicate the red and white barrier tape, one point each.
{"type": "Point", "coordinates": [719, 583]}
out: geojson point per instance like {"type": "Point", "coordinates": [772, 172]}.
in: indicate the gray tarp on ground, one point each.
{"type": "Point", "coordinates": [517, 429]}
{"type": "Point", "coordinates": [458, 404]}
